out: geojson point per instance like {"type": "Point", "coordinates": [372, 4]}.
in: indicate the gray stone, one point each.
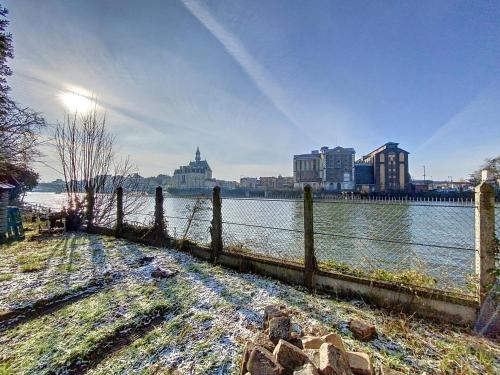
{"type": "Point", "coordinates": [279, 329]}
{"type": "Point", "coordinates": [297, 329]}
{"type": "Point", "coordinates": [262, 362]}
{"type": "Point", "coordinates": [333, 361]}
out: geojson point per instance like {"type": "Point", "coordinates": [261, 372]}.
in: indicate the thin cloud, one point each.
{"type": "Point", "coordinates": [160, 125]}
{"type": "Point", "coordinates": [271, 90]}
{"type": "Point", "coordinates": [473, 114]}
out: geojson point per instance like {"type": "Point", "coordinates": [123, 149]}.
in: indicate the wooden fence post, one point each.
{"type": "Point", "coordinates": [119, 211]}
{"type": "Point", "coordinates": [309, 258]}
{"type": "Point", "coordinates": [485, 237]}
{"type": "Point", "coordinates": [159, 225]}
{"type": "Point", "coordinates": [216, 228]}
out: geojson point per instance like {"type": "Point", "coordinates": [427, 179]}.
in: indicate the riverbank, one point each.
{"type": "Point", "coordinates": [96, 307]}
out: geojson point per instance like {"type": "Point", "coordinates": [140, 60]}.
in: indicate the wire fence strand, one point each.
{"type": "Point", "coordinates": [425, 243]}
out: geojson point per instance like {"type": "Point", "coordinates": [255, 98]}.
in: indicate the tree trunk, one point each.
{"type": "Point", "coordinates": [89, 212]}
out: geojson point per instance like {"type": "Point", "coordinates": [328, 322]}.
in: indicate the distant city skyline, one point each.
{"type": "Point", "coordinates": [253, 83]}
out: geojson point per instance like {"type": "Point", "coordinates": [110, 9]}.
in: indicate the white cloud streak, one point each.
{"type": "Point", "coordinates": [266, 84]}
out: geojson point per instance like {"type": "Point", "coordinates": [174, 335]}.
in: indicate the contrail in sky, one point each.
{"type": "Point", "coordinates": [237, 50]}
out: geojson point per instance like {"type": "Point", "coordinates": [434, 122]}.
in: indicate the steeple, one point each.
{"type": "Point", "coordinates": [197, 158]}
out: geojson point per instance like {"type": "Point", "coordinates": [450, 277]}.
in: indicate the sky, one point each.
{"type": "Point", "coordinates": [254, 82]}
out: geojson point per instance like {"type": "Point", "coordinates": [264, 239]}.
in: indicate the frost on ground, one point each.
{"type": "Point", "coordinates": [208, 313]}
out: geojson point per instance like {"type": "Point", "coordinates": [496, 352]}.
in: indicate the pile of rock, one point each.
{"type": "Point", "coordinates": [282, 349]}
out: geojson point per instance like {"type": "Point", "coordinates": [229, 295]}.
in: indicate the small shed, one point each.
{"type": "Point", "coordinates": [4, 202]}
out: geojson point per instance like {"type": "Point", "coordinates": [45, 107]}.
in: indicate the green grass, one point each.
{"type": "Point", "coordinates": [406, 278]}
{"type": "Point", "coordinates": [52, 341]}
{"type": "Point", "coordinates": [6, 276]}
{"type": "Point", "coordinates": [462, 359]}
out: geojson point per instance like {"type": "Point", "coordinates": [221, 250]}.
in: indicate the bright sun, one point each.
{"type": "Point", "coordinates": [76, 102]}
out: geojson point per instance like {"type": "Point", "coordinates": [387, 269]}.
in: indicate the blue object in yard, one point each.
{"type": "Point", "coordinates": [15, 228]}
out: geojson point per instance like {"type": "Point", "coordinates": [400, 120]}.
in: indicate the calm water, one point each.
{"type": "Point", "coordinates": [436, 239]}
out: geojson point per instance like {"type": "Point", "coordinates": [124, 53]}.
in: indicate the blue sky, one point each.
{"type": "Point", "coordinates": [253, 82]}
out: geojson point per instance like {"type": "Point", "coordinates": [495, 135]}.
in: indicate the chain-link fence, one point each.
{"type": "Point", "coordinates": [429, 244]}
{"type": "Point", "coordinates": [189, 218]}
{"type": "Point", "coordinates": [186, 218]}
{"type": "Point", "coordinates": [269, 227]}
{"type": "Point", "coordinates": [414, 243]}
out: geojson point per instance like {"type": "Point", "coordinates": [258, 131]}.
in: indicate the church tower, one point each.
{"type": "Point", "coordinates": [197, 158]}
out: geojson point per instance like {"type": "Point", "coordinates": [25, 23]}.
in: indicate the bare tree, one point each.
{"type": "Point", "coordinates": [490, 164]}
{"type": "Point", "coordinates": [19, 128]}
{"type": "Point", "coordinates": [91, 167]}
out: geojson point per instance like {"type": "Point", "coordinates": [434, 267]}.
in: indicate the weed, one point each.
{"type": "Point", "coordinates": [406, 278]}
{"type": "Point", "coordinates": [5, 276]}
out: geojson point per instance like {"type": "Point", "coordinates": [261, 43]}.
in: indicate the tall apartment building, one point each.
{"type": "Point", "coordinates": [337, 168]}
{"type": "Point", "coordinates": [328, 169]}
{"type": "Point", "coordinates": [390, 168]}
{"type": "Point", "coordinates": [306, 170]}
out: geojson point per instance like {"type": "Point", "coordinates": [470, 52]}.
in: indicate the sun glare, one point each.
{"type": "Point", "coordinates": [76, 101]}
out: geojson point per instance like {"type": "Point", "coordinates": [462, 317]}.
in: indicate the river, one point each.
{"type": "Point", "coordinates": [433, 238]}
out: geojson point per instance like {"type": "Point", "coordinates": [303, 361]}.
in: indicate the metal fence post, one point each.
{"type": "Point", "coordinates": [119, 211]}
{"type": "Point", "coordinates": [159, 225]}
{"type": "Point", "coordinates": [309, 258]}
{"type": "Point", "coordinates": [216, 228]}
{"type": "Point", "coordinates": [485, 237]}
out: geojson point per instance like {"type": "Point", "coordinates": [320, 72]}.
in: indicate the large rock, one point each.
{"type": "Point", "coordinates": [360, 363]}
{"type": "Point", "coordinates": [272, 311]}
{"type": "Point", "coordinates": [311, 342]}
{"type": "Point", "coordinates": [279, 329]}
{"type": "Point", "coordinates": [333, 361]}
{"type": "Point", "coordinates": [263, 340]}
{"type": "Point", "coordinates": [159, 273]}
{"type": "Point", "coordinates": [362, 330]}
{"type": "Point", "coordinates": [313, 355]}
{"type": "Point", "coordinates": [246, 355]}
{"type": "Point", "coordinates": [262, 362]}
{"type": "Point", "coordinates": [334, 339]}
{"type": "Point", "coordinates": [296, 340]}
{"type": "Point", "coordinates": [307, 369]}
{"type": "Point", "coordinates": [289, 356]}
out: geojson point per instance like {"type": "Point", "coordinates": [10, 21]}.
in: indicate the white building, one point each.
{"type": "Point", "coordinates": [196, 175]}
{"type": "Point", "coordinates": [327, 169]}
